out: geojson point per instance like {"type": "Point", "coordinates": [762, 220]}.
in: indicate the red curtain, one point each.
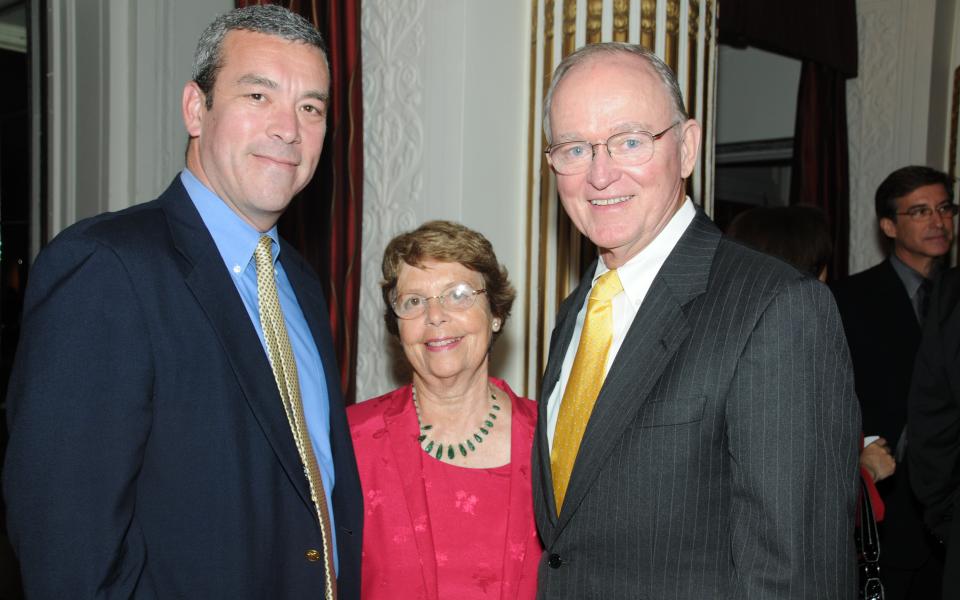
{"type": "Point", "coordinates": [820, 174]}
{"type": "Point", "coordinates": [324, 221]}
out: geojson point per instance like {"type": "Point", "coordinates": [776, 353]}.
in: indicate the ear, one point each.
{"type": "Point", "coordinates": [888, 227]}
{"type": "Point", "coordinates": [689, 146]}
{"type": "Point", "coordinates": [194, 108]}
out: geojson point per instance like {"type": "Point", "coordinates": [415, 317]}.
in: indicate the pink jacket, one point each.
{"type": "Point", "coordinates": [397, 535]}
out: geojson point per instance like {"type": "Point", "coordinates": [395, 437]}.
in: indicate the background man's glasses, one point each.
{"type": "Point", "coordinates": [922, 213]}
{"type": "Point", "coordinates": [459, 296]}
{"type": "Point", "coordinates": [627, 148]}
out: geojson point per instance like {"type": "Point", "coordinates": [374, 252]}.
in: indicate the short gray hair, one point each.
{"type": "Point", "coordinates": [268, 19]}
{"type": "Point", "coordinates": [589, 51]}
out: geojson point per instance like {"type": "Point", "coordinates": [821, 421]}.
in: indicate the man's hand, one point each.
{"type": "Point", "coordinates": [877, 459]}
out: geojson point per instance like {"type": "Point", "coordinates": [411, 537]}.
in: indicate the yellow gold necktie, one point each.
{"type": "Point", "coordinates": [285, 372]}
{"type": "Point", "coordinates": [583, 385]}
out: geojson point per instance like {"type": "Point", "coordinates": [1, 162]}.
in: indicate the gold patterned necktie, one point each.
{"type": "Point", "coordinates": [583, 385]}
{"type": "Point", "coordinates": [285, 372]}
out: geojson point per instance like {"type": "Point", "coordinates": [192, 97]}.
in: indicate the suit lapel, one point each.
{"type": "Point", "coordinates": [408, 456]}
{"type": "Point", "coordinates": [208, 280]}
{"type": "Point", "coordinates": [653, 339]}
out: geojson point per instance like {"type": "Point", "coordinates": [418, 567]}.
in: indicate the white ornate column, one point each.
{"type": "Point", "coordinates": [393, 133]}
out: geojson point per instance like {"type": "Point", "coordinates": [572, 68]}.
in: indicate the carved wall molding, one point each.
{"type": "Point", "coordinates": [392, 40]}
{"type": "Point", "coordinates": [887, 109]}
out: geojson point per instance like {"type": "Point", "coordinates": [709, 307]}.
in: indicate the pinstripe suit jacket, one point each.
{"type": "Point", "coordinates": [720, 460]}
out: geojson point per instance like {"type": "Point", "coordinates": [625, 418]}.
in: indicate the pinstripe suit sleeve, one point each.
{"type": "Point", "coordinates": [792, 422]}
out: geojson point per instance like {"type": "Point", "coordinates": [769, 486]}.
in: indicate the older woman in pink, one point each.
{"type": "Point", "coordinates": [445, 460]}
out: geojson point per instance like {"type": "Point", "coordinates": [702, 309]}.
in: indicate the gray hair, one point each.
{"type": "Point", "coordinates": [268, 19]}
{"type": "Point", "coordinates": [667, 78]}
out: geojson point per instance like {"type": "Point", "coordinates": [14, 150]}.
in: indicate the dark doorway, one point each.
{"type": "Point", "coordinates": [16, 141]}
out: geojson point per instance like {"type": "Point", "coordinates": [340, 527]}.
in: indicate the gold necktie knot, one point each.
{"type": "Point", "coordinates": [607, 286]}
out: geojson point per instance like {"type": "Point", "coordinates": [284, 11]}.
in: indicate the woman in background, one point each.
{"type": "Point", "coordinates": [445, 461]}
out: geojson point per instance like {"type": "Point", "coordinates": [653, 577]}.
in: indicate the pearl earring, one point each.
{"type": "Point", "coordinates": [496, 324]}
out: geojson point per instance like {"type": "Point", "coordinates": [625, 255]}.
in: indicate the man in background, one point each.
{"type": "Point", "coordinates": [697, 432]}
{"type": "Point", "coordinates": [176, 424]}
{"type": "Point", "coordinates": [882, 310]}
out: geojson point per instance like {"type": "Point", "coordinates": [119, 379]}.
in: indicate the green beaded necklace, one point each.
{"type": "Point", "coordinates": [436, 449]}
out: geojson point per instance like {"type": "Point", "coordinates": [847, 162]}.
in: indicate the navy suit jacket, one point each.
{"type": "Point", "coordinates": [149, 452]}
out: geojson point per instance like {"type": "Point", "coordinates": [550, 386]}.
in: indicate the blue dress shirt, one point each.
{"type": "Point", "coordinates": [236, 240]}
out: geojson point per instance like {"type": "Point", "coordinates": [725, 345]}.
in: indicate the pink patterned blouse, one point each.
{"type": "Point", "coordinates": [434, 530]}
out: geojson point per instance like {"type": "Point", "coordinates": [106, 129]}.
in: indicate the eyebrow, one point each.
{"type": "Point", "coordinates": [619, 128]}
{"type": "Point", "coordinates": [254, 79]}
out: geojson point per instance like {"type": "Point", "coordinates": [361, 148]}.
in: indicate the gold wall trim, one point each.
{"type": "Point", "coordinates": [594, 20]}
{"type": "Point", "coordinates": [569, 27]}
{"type": "Point", "coordinates": [954, 117]}
{"type": "Point", "coordinates": [693, 35]}
{"type": "Point", "coordinates": [648, 24]}
{"type": "Point", "coordinates": [672, 45]}
{"type": "Point", "coordinates": [621, 20]}
{"type": "Point", "coordinates": [545, 200]}
{"type": "Point", "coordinates": [706, 132]}
{"type": "Point", "coordinates": [533, 144]}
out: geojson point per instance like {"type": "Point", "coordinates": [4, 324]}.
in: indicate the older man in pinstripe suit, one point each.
{"type": "Point", "coordinates": [698, 426]}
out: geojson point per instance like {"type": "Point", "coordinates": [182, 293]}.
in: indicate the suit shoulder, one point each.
{"type": "Point", "coordinates": [736, 262]}
{"type": "Point", "coordinates": [116, 230]}
{"type": "Point", "coordinates": [864, 282]}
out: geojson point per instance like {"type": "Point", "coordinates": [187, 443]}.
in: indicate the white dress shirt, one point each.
{"type": "Point", "coordinates": [637, 276]}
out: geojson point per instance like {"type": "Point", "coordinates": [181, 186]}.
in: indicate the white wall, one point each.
{"type": "Point", "coordinates": [756, 95]}
{"type": "Point", "coordinates": [445, 111]}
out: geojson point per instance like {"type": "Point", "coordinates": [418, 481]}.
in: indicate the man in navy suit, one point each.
{"type": "Point", "coordinates": [150, 454]}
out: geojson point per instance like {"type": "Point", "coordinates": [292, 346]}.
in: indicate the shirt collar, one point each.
{"type": "Point", "coordinates": [911, 279]}
{"type": "Point", "coordinates": [653, 256]}
{"type": "Point", "coordinates": [235, 238]}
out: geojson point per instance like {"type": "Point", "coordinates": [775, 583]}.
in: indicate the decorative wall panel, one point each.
{"type": "Point", "coordinates": [887, 109]}
{"type": "Point", "coordinates": [392, 44]}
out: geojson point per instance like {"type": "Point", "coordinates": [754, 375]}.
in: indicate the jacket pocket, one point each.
{"type": "Point", "coordinates": [672, 411]}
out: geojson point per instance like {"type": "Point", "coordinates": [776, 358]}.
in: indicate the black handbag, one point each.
{"type": "Point", "coordinates": [868, 549]}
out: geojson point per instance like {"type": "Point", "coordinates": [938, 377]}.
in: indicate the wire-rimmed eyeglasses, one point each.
{"type": "Point", "coordinates": [922, 213]}
{"type": "Point", "coordinates": [459, 296]}
{"type": "Point", "coordinates": [628, 148]}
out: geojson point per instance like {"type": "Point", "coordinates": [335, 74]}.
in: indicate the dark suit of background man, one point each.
{"type": "Point", "coordinates": [150, 455]}
{"type": "Point", "coordinates": [720, 458]}
{"type": "Point", "coordinates": [882, 308]}
{"type": "Point", "coordinates": [934, 425]}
